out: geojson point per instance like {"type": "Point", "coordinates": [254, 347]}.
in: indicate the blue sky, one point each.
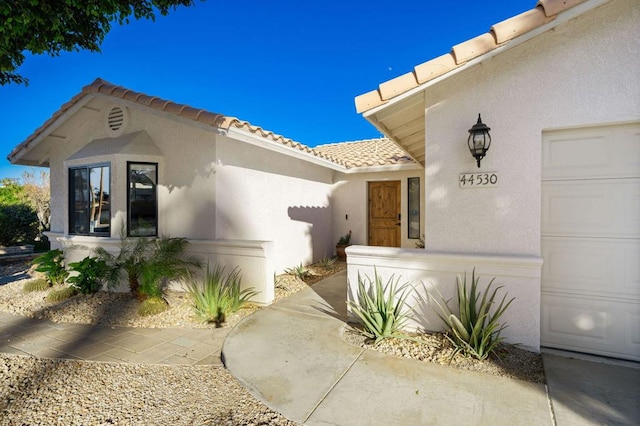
{"type": "Point", "coordinates": [290, 67]}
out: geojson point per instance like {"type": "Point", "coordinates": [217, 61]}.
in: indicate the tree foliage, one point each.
{"type": "Point", "coordinates": [45, 26]}
{"type": "Point", "coordinates": [24, 208]}
{"type": "Point", "coordinates": [11, 192]}
{"type": "Point", "coordinates": [37, 191]}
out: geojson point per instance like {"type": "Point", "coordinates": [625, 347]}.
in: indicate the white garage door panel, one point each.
{"type": "Point", "coordinates": [591, 240]}
{"type": "Point", "coordinates": [591, 266]}
{"type": "Point", "coordinates": [603, 327]}
{"type": "Point", "coordinates": [607, 208]}
{"type": "Point", "coordinates": [587, 153]}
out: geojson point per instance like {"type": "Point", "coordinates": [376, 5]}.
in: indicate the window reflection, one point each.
{"type": "Point", "coordinates": [89, 200]}
{"type": "Point", "coordinates": [143, 203]}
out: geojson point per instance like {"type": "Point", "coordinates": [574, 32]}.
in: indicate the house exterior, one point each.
{"type": "Point", "coordinates": [125, 163]}
{"type": "Point", "coordinates": [559, 88]}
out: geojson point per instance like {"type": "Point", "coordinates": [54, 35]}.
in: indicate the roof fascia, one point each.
{"type": "Point", "coordinates": [387, 168]}
{"type": "Point", "coordinates": [14, 157]}
{"type": "Point", "coordinates": [253, 139]}
{"type": "Point", "coordinates": [562, 18]}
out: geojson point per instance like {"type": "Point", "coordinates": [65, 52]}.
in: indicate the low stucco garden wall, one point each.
{"type": "Point", "coordinates": [253, 258]}
{"type": "Point", "coordinates": [520, 276]}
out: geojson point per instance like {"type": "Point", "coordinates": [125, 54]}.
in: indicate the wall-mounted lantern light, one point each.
{"type": "Point", "coordinates": [479, 140]}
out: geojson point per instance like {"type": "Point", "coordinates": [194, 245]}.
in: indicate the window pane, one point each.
{"type": "Point", "coordinates": [78, 202]}
{"type": "Point", "coordinates": [89, 201]}
{"type": "Point", "coordinates": [100, 213]}
{"type": "Point", "coordinates": [414, 207]}
{"type": "Point", "coordinates": [143, 204]}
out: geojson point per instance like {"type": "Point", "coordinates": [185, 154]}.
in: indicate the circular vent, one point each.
{"type": "Point", "coordinates": [115, 119]}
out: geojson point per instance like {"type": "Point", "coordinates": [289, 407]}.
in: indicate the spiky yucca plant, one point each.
{"type": "Point", "coordinates": [298, 271]}
{"type": "Point", "coordinates": [380, 307]}
{"type": "Point", "coordinates": [218, 294]}
{"type": "Point", "coordinates": [327, 262]}
{"type": "Point", "coordinates": [476, 332]}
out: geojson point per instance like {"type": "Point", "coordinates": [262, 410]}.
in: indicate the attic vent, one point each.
{"type": "Point", "coordinates": [115, 119]}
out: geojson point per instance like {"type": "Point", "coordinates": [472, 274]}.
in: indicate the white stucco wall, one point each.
{"type": "Point", "coordinates": [584, 72]}
{"type": "Point", "coordinates": [265, 195]}
{"type": "Point", "coordinates": [427, 273]}
{"type": "Point", "coordinates": [351, 204]}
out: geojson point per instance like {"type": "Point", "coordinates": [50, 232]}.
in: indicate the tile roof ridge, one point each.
{"type": "Point", "coordinates": [500, 33]}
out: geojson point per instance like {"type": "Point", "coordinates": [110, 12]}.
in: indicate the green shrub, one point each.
{"type": "Point", "coordinates": [218, 294]}
{"type": "Point", "coordinates": [476, 332]}
{"type": "Point", "coordinates": [38, 284]}
{"type": "Point", "coordinates": [298, 271]}
{"type": "Point", "coordinates": [51, 264]}
{"type": "Point", "coordinates": [152, 306]}
{"type": "Point", "coordinates": [60, 294]}
{"type": "Point", "coordinates": [18, 224]}
{"type": "Point", "coordinates": [90, 271]}
{"type": "Point", "coordinates": [148, 264]}
{"type": "Point", "coordinates": [380, 307]}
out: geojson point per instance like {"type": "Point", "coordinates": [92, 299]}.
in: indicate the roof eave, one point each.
{"type": "Point", "coordinates": [23, 148]}
{"type": "Point", "coordinates": [561, 18]}
{"type": "Point", "coordinates": [262, 142]}
{"type": "Point", "coordinates": [385, 168]}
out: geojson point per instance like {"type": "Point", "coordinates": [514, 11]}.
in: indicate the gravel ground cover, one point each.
{"type": "Point", "coordinates": [64, 392]}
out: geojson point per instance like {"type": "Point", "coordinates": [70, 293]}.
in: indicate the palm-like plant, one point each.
{"type": "Point", "coordinates": [148, 263]}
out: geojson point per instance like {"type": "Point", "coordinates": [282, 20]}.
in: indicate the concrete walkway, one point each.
{"type": "Point", "coordinates": [291, 356]}
{"type": "Point", "coordinates": [47, 339]}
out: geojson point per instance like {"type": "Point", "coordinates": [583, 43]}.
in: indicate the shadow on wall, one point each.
{"type": "Point", "coordinates": [319, 229]}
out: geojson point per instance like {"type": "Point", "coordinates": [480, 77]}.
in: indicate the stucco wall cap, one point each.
{"type": "Point", "coordinates": [398, 85]}
{"type": "Point", "coordinates": [434, 68]}
{"type": "Point", "coordinates": [473, 48]}
{"type": "Point", "coordinates": [520, 24]}
{"type": "Point", "coordinates": [553, 7]}
{"type": "Point", "coordinates": [368, 100]}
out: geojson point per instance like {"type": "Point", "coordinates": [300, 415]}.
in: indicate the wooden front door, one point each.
{"type": "Point", "coordinates": [384, 214]}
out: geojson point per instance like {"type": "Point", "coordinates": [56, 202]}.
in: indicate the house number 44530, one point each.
{"type": "Point", "coordinates": [478, 180]}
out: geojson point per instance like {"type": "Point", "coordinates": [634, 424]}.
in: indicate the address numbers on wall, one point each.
{"type": "Point", "coordinates": [478, 180]}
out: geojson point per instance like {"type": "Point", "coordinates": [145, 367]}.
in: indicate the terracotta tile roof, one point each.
{"type": "Point", "coordinates": [499, 34]}
{"type": "Point", "coordinates": [373, 152]}
{"type": "Point", "coordinates": [103, 87]}
{"type": "Point", "coordinates": [365, 153]}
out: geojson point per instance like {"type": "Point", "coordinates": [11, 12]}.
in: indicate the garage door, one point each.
{"type": "Point", "coordinates": [591, 240]}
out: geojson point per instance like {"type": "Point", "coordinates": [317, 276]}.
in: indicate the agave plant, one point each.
{"type": "Point", "coordinates": [380, 308]}
{"type": "Point", "coordinates": [327, 262]}
{"type": "Point", "coordinates": [298, 271]}
{"type": "Point", "coordinates": [218, 294]}
{"type": "Point", "coordinates": [476, 332]}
